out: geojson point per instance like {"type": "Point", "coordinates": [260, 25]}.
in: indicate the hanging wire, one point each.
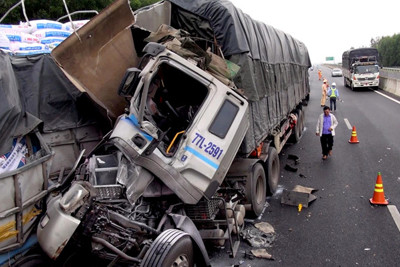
{"type": "Point", "coordinates": [70, 20]}
{"type": "Point", "coordinates": [12, 8]}
{"type": "Point", "coordinates": [78, 12]}
{"type": "Point", "coordinates": [24, 11]}
{"type": "Point", "coordinates": [69, 15]}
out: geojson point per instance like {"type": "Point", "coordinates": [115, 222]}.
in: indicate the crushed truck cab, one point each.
{"type": "Point", "coordinates": [201, 113]}
{"type": "Point", "coordinates": [184, 118]}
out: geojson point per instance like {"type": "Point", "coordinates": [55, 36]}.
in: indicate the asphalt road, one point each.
{"type": "Point", "coordinates": [341, 227]}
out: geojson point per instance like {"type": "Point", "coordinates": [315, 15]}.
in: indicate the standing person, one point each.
{"type": "Point", "coordinates": [333, 94]}
{"type": "Point", "coordinates": [324, 92]}
{"type": "Point", "coordinates": [326, 125]}
{"type": "Point", "coordinates": [319, 75]}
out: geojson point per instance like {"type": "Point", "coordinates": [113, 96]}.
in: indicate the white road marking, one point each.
{"type": "Point", "coordinates": [394, 100]}
{"type": "Point", "coordinates": [348, 123]}
{"type": "Point", "coordinates": [395, 214]}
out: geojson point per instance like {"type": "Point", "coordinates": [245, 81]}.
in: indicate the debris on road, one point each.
{"type": "Point", "coordinates": [299, 195]}
{"type": "Point", "coordinates": [294, 157]}
{"type": "Point", "coordinates": [265, 227]}
{"type": "Point", "coordinates": [290, 168]}
{"type": "Point", "coordinates": [262, 253]}
{"type": "Point", "coordinates": [296, 161]}
{"type": "Point", "coordinates": [260, 235]}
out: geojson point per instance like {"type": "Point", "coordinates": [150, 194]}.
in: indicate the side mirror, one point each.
{"type": "Point", "coordinates": [129, 82]}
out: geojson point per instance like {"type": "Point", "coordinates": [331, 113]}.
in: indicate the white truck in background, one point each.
{"type": "Point", "coordinates": [197, 145]}
{"type": "Point", "coordinates": [361, 68]}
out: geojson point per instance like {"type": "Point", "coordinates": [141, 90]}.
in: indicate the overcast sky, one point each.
{"type": "Point", "coordinates": [327, 28]}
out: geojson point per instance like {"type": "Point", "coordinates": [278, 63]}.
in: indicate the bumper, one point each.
{"type": "Point", "coordinates": [55, 229]}
{"type": "Point", "coordinates": [366, 83]}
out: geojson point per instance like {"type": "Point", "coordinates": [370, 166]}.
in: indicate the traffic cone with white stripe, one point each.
{"type": "Point", "coordinates": [378, 197]}
{"type": "Point", "coordinates": [354, 139]}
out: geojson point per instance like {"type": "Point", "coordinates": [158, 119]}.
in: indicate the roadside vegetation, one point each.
{"type": "Point", "coordinates": [54, 9]}
{"type": "Point", "coordinates": [389, 49]}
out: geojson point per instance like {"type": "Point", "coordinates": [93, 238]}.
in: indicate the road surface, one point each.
{"type": "Point", "coordinates": [341, 227]}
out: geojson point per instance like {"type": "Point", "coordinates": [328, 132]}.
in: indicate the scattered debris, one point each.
{"type": "Point", "coordinates": [265, 227]}
{"type": "Point", "coordinates": [296, 161]}
{"type": "Point", "coordinates": [290, 168]}
{"type": "Point", "coordinates": [248, 255]}
{"type": "Point", "coordinates": [259, 238]}
{"type": "Point", "coordinates": [262, 253]}
{"type": "Point", "coordinates": [299, 207]}
{"type": "Point", "coordinates": [302, 175]}
{"type": "Point", "coordinates": [299, 195]}
{"type": "Point", "coordinates": [295, 158]}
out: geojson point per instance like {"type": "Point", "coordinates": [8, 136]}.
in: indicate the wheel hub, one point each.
{"type": "Point", "coordinates": [181, 261]}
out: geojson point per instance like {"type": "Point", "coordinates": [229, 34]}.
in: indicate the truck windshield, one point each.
{"type": "Point", "coordinates": [173, 99]}
{"type": "Point", "coordinates": [366, 69]}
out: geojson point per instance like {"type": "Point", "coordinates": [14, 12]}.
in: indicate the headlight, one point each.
{"type": "Point", "coordinates": [74, 198]}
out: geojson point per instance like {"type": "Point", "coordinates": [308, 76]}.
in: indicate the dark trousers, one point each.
{"type": "Point", "coordinates": [326, 143]}
{"type": "Point", "coordinates": [332, 101]}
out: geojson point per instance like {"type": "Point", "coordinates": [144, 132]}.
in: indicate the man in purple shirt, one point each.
{"type": "Point", "coordinates": [326, 125]}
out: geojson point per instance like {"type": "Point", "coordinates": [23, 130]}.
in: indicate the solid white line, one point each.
{"type": "Point", "coordinates": [348, 123]}
{"type": "Point", "coordinates": [395, 214]}
{"type": "Point", "coordinates": [394, 100]}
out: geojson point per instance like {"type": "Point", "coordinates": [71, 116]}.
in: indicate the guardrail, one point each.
{"type": "Point", "coordinates": [390, 73]}
{"type": "Point", "coordinates": [390, 80]}
{"type": "Point", "coordinates": [392, 69]}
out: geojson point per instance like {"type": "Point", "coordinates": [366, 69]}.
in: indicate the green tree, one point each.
{"type": "Point", "coordinates": [54, 9]}
{"type": "Point", "coordinates": [375, 42]}
{"type": "Point", "coordinates": [389, 50]}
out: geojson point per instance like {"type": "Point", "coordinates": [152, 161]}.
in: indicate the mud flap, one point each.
{"type": "Point", "coordinates": [185, 224]}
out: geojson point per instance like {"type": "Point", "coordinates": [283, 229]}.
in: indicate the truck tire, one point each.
{"type": "Point", "coordinates": [171, 248]}
{"type": "Point", "coordinates": [32, 260]}
{"type": "Point", "coordinates": [256, 189]}
{"type": "Point", "coordinates": [273, 170]}
{"type": "Point", "coordinates": [298, 128]}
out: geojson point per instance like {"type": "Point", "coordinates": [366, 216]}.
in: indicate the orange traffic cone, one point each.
{"type": "Point", "coordinates": [378, 197]}
{"type": "Point", "coordinates": [353, 139]}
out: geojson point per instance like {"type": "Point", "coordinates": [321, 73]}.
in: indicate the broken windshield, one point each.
{"type": "Point", "coordinates": [172, 101]}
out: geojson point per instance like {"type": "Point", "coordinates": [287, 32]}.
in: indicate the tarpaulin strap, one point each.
{"type": "Point", "coordinates": [7, 230]}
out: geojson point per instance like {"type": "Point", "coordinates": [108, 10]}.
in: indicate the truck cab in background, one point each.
{"type": "Point", "coordinates": [361, 68]}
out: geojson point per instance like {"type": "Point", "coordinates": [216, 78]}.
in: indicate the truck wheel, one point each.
{"type": "Point", "coordinates": [273, 169]}
{"type": "Point", "coordinates": [256, 189]}
{"type": "Point", "coordinates": [298, 128]}
{"type": "Point", "coordinates": [171, 248]}
{"type": "Point", "coordinates": [32, 260]}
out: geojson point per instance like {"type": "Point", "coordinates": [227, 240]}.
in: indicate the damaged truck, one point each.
{"type": "Point", "coordinates": [204, 99]}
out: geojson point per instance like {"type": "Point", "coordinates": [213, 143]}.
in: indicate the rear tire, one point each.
{"type": "Point", "coordinates": [298, 128]}
{"type": "Point", "coordinates": [256, 188]}
{"type": "Point", "coordinates": [273, 170]}
{"type": "Point", "coordinates": [171, 248]}
{"type": "Point", "coordinates": [32, 260]}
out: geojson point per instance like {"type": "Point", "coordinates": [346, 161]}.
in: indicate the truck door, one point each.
{"type": "Point", "coordinates": [214, 138]}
